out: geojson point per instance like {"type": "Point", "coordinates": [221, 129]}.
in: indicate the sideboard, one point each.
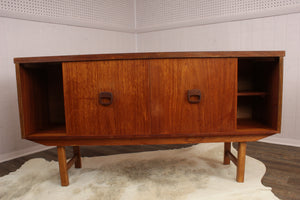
{"type": "Point", "coordinates": [150, 98]}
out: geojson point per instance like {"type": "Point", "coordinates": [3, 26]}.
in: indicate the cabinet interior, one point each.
{"type": "Point", "coordinates": [258, 93]}
{"type": "Point", "coordinates": [43, 98]}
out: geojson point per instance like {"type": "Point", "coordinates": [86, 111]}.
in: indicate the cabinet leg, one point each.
{"type": "Point", "coordinates": [63, 169]}
{"type": "Point", "coordinates": [227, 149]}
{"type": "Point", "coordinates": [241, 161]}
{"type": "Point", "coordinates": [76, 152]}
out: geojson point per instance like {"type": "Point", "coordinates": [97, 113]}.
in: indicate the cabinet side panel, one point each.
{"type": "Point", "coordinates": [170, 109]}
{"type": "Point", "coordinates": [272, 72]}
{"type": "Point", "coordinates": [128, 82]}
{"type": "Point", "coordinates": [280, 93]}
{"type": "Point", "coordinates": [20, 101]}
{"type": "Point", "coordinates": [277, 83]}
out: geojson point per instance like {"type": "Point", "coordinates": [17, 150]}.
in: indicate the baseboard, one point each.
{"type": "Point", "coordinates": [282, 141]}
{"type": "Point", "coordinates": [23, 152]}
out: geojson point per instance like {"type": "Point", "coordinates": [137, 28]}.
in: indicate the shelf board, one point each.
{"type": "Point", "coordinates": [55, 130]}
{"type": "Point", "coordinates": [247, 124]}
{"type": "Point", "coordinates": [249, 93]}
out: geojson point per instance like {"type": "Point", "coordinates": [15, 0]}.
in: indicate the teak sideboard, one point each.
{"type": "Point", "coordinates": [150, 98]}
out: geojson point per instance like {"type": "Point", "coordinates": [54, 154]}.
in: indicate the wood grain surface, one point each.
{"type": "Point", "coordinates": [241, 158]}
{"type": "Point", "coordinates": [171, 112]}
{"type": "Point", "coordinates": [63, 168]}
{"type": "Point", "coordinates": [69, 141]}
{"type": "Point", "coordinates": [128, 81]}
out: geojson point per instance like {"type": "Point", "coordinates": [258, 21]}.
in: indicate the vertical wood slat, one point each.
{"type": "Point", "coordinates": [280, 88]}
{"type": "Point", "coordinates": [241, 161]}
{"type": "Point", "coordinates": [63, 168]}
{"type": "Point", "coordinates": [76, 152]}
{"type": "Point", "coordinates": [227, 149]}
{"type": "Point", "coordinates": [20, 99]}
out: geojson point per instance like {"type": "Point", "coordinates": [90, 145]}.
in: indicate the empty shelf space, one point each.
{"type": "Point", "coordinates": [42, 98]}
{"type": "Point", "coordinates": [257, 76]}
{"type": "Point", "coordinates": [256, 111]}
{"type": "Point", "coordinates": [258, 94]}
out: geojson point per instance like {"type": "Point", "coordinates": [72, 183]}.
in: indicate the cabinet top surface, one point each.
{"type": "Point", "coordinates": [150, 55]}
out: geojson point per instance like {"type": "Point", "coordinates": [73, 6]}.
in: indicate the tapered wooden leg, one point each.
{"type": "Point", "coordinates": [76, 151]}
{"type": "Point", "coordinates": [241, 162]}
{"type": "Point", "coordinates": [227, 148]}
{"type": "Point", "coordinates": [63, 169]}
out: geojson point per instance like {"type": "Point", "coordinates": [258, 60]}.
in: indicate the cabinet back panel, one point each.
{"type": "Point", "coordinates": [127, 80]}
{"type": "Point", "coordinates": [170, 81]}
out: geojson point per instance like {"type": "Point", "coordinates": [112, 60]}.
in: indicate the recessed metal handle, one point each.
{"type": "Point", "coordinates": [105, 98]}
{"type": "Point", "coordinates": [194, 96]}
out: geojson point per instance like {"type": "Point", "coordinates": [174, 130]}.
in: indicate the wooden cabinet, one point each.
{"type": "Point", "coordinates": [150, 98]}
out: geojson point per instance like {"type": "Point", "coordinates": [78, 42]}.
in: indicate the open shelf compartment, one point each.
{"type": "Point", "coordinates": [258, 93]}
{"type": "Point", "coordinates": [42, 98]}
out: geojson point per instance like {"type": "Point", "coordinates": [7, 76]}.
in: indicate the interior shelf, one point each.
{"type": "Point", "coordinates": [250, 124]}
{"type": "Point", "coordinates": [59, 129]}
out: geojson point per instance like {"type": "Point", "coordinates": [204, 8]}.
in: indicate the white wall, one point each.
{"type": "Point", "coordinates": [271, 33]}
{"type": "Point", "coordinates": [20, 38]}
{"type": "Point", "coordinates": [157, 15]}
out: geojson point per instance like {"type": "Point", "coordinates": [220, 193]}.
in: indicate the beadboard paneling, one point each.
{"type": "Point", "coordinates": [116, 15]}
{"type": "Point", "coordinates": [165, 14]}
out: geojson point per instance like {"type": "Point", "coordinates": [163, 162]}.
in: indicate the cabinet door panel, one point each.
{"type": "Point", "coordinates": [127, 80]}
{"type": "Point", "coordinates": [170, 109]}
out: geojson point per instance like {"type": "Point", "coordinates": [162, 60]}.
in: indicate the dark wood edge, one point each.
{"type": "Point", "coordinates": [236, 93]}
{"type": "Point", "coordinates": [149, 55]}
{"type": "Point", "coordinates": [252, 94]}
{"type": "Point", "coordinates": [20, 102]}
{"type": "Point", "coordinates": [151, 141]}
{"type": "Point", "coordinates": [280, 82]}
{"type": "Point", "coordinates": [64, 136]}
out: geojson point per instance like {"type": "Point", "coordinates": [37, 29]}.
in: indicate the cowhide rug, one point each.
{"type": "Point", "coordinates": [190, 173]}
